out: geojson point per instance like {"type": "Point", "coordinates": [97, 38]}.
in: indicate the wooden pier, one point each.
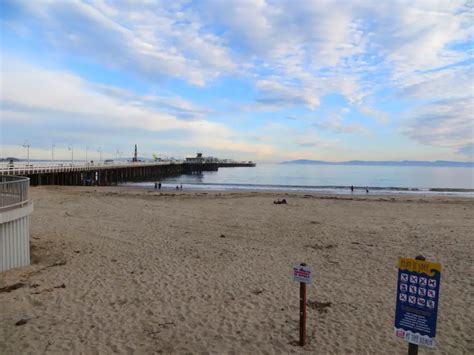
{"type": "Point", "coordinates": [110, 174]}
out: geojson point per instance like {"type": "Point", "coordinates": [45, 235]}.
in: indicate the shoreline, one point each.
{"type": "Point", "coordinates": [325, 190]}
{"type": "Point", "coordinates": [126, 270]}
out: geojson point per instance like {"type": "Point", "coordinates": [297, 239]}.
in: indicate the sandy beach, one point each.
{"type": "Point", "coordinates": [133, 270]}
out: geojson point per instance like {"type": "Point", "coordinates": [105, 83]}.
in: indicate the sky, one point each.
{"type": "Point", "coordinates": [254, 80]}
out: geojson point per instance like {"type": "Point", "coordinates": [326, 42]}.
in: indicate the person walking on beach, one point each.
{"type": "Point", "coordinates": [159, 185]}
{"type": "Point", "coordinates": [181, 186]}
{"type": "Point", "coordinates": [367, 190]}
{"type": "Point", "coordinates": [352, 189]}
{"type": "Point", "coordinates": [156, 185]}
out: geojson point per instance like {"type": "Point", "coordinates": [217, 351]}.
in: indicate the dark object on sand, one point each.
{"type": "Point", "coordinates": [319, 306]}
{"type": "Point", "coordinates": [21, 322]}
{"type": "Point", "coordinates": [278, 202]}
{"type": "Point", "coordinates": [12, 287]}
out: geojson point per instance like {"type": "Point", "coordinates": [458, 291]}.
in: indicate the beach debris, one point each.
{"type": "Point", "coordinates": [165, 325]}
{"type": "Point", "coordinates": [58, 263]}
{"type": "Point", "coordinates": [280, 202]}
{"type": "Point", "coordinates": [23, 321]}
{"type": "Point", "coordinates": [357, 243]}
{"type": "Point", "coordinates": [13, 287]}
{"type": "Point", "coordinates": [35, 285]}
{"type": "Point", "coordinates": [113, 260]}
{"type": "Point", "coordinates": [315, 222]}
{"type": "Point", "coordinates": [60, 286]}
{"type": "Point", "coordinates": [77, 251]}
{"type": "Point", "coordinates": [257, 291]}
{"type": "Point", "coordinates": [223, 236]}
{"type": "Point", "coordinates": [318, 306]}
{"type": "Point", "coordinates": [320, 247]}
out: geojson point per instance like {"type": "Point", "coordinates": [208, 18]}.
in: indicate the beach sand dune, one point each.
{"type": "Point", "coordinates": [122, 270]}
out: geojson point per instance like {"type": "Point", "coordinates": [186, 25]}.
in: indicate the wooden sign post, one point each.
{"type": "Point", "coordinates": [302, 313]}
{"type": "Point", "coordinates": [303, 275]}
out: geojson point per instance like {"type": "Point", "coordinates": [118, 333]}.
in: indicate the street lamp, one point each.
{"type": "Point", "coordinates": [100, 154]}
{"type": "Point", "coordinates": [72, 153]}
{"type": "Point", "coordinates": [27, 146]}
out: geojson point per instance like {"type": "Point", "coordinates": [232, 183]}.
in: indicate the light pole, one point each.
{"type": "Point", "coordinates": [27, 146]}
{"type": "Point", "coordinates": [71, 148]}
{"type": "Point", "coordinates": [100, 155]}
{"type": "Point", "coordinates": [52, 152]}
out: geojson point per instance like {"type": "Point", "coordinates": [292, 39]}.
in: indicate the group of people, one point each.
{"type": "Point", "coordinates": [158, 186]}
{"type": "Point", "coordinates": [366, 189]}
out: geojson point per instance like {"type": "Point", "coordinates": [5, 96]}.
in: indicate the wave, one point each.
{"type": "Point", "coordinates": [331, 189]}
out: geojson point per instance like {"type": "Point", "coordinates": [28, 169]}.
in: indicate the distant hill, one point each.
{"type": "Point", "coordinates": [436, 163]}
{"type": "Point", "coordinates": [9, 159]}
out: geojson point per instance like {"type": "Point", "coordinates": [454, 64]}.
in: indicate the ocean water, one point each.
{"type": "Point", "coordinates": [332, 179]}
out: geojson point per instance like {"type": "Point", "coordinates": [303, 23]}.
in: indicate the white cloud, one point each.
{"type": "Point", "coordinates": [30, 94]}
{"type": "Point", "coordinates": [446, 123]}
{"type": "Point", "coordinates": [151, 40]}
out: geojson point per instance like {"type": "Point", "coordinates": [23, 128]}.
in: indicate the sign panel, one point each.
{"type": "Point", "coordinates": [302, 274]}
{"type": "Point", "coordinates": [417, 301]}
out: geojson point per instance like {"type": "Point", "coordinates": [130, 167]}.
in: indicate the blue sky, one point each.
{"type": "Point", "coordinates": [248, 79]}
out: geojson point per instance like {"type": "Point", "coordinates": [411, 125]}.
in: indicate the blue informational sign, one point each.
{"type": "Point", "coordinates": [417, 301]}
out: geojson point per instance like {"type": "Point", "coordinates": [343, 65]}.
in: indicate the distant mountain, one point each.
{"type": "Point", "coordinates": [9, 159]}
{"type": "Point", "coordinates": [438, 163]}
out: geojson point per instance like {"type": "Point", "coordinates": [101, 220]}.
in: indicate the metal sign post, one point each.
{"type": "Point", "coordinates": [303, 275]}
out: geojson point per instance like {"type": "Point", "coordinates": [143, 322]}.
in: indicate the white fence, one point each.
{"type": "Point", "coordinates": [15, 208]}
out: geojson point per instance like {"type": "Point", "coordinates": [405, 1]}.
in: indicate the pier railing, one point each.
{"type": "Point", "coordinates": [13, 192]}
{"type": "Point", "coordinates": [26, 169]}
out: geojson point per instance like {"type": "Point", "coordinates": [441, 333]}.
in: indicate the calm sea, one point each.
{"type": "Point", "coordinates": [332, 179]}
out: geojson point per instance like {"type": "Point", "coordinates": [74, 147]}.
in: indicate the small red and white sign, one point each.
{"type": "Point", "coordinates": [302, 274]}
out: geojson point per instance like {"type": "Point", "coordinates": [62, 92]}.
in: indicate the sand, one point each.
{"type": "Point", "coordinates": [132, 270]}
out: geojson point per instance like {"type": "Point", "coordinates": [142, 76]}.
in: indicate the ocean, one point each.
{"type": "Point", "coordinates": [332, 179]}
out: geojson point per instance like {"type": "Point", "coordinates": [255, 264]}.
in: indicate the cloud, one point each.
{"type": "Point", "coordinates": [63, 100]}
{"type": "Point", "coordinates": [445, 123]}
{"type": "Point", "coordinates": [154, 40]}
